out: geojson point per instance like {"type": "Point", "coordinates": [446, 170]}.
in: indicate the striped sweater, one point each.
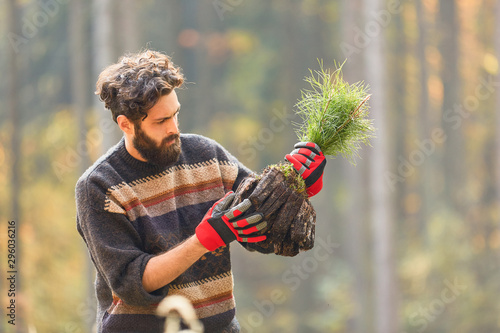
{"type": "Point", "coordinates": [129, 211]}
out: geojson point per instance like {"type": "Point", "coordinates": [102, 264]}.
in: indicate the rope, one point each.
{"type": "Point", "coordinates": [176, 308]}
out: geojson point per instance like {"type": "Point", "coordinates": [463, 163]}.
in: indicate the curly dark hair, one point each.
{"type": "Point", "coordinates": [133, 85]}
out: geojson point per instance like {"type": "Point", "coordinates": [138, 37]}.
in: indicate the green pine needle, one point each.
{"type": "Point", "coordinates": [334, 113]}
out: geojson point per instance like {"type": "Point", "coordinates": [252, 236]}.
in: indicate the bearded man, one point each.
{"type": "Point", "coordinates": [154, 211]}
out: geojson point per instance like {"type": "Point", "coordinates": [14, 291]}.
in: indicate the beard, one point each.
{"type": "Point", "coordinates": [160, 155]}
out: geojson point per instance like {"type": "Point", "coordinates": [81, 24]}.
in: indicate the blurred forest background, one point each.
{"type": "Point", "coordinates": [407, 241]}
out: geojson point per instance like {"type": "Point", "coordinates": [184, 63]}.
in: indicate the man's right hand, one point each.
{"type": "Point", "coordinates": [221, 225]}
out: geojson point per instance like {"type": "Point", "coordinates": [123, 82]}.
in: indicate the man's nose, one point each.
{"type": "Point", "coordinates": [173, 125]}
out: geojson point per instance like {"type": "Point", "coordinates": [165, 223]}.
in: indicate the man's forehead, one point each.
{"type": "Point", "coordinates": [166, 106]}
{"type": "Point", "coordinates": [163, 113]}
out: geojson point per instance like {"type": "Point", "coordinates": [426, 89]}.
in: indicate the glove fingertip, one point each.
{"type": "Point", "coordinates": [258, 239]}
{"type": "Point", "coordinates": [244, 205]}
{"type": "Point", "coordinates": [230, 196]}
{"type": "Point", "coordinates": [300, 144]}
{"type": "Point", "coordinates": [254, 218]}
{"type": "Point", "coordinates": [227, 200]}
{"type": "Point", "coordinates": [261, 225]}
{"type": "Point", "coordinates": [309, 145]}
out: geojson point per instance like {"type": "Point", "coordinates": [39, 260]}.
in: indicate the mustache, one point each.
{"type": "Point", "coordinates": [171, 137]}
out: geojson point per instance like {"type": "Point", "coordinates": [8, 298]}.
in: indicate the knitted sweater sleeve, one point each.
{"type": "Point", "coordinates": [114, 246]}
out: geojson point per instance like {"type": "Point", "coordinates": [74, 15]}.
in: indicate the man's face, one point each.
{"type": "Point", "coordinates": [157, 137]}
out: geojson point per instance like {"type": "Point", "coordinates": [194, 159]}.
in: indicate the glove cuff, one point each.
{"type": "Point", "coordinates": [208, 238]}
{"type": "Point", "coordinates": [315, 188]}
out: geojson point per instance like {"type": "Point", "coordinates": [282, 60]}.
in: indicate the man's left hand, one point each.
{"type": "Point", "coordinates": [309, 161]}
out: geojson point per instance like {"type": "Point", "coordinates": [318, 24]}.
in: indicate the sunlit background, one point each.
{"type": "Point", "coordinates": [407, 240]}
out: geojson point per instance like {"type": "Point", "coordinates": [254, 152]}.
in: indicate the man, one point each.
{"type": "Point", "coordinates": [154, 211]}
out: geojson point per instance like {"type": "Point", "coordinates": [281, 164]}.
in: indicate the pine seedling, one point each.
{"type": "Point", "coordinates": [334, 113]}
{"type": "Point", "coordinates": [335, 117]}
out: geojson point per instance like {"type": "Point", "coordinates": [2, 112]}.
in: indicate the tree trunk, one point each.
{"type": "Point", "coordinates": [204, 70]}
{"type": "Point", "coordinates": [402, 117]}
{"type": "Point", "coordinates": [453, 157]}
{"type": "Point", "coordinates": [103, 56]}
{"type": "Point", "coordinates": [355, 227]}
{"type": "Point", "coordinates": [497, 141]}
{"type": "Point", "coordinates": [425, 125]}
{"type": "Point", "coordinates": [128, 26]}
{"type": "Point", "coordinates": [78, 11]}
{"type": "Point", "coordinates": [14, 112]}
{"type": "Point", "coordinates": [80, 80]}
{"type": "Point", "coordinates": [386, 316]}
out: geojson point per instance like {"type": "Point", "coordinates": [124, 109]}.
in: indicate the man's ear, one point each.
{"type": "Point", "coordinates": [125, 124]}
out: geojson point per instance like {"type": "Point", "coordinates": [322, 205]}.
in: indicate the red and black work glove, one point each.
{"type": "Point", "coordinates": [221, 225]}
{"type": "Point", "coordinates": [309, 161]}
